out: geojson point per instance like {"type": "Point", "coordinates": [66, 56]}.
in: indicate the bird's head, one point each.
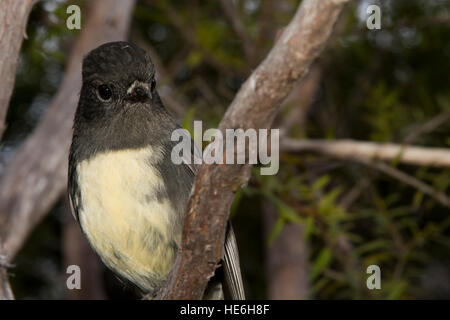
{"type": "Point", "coordinates": [117, 76]}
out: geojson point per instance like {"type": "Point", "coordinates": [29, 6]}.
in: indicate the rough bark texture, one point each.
{"type": "Point", "coordinates": [37, 175]}
{"type": "Point", "coordinates": [13, 21]}
{"type": "Point", "coordinates": [254, 106]}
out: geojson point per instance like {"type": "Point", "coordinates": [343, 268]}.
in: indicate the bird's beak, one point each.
{"type": "Point", "coordinates": [139, 91]}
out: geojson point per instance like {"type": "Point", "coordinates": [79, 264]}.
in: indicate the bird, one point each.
{"type": "Point", "coordinates": [127, 195]}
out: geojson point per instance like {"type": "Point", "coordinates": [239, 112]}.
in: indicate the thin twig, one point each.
{"type": "Point", "coordinates": [429, 126]}
{"type": "Point", "coordinates": [233, 16]}
{"type": "Point", "coordinates": [409, 180]}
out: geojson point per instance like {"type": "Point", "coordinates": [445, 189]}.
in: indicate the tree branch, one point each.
{"type": "Point", "coordinates": [5, 288]}
{"type": "Point", "coordinates": [37, 175]}
{"type": "Point", "coordinates": [429, 126]}
{"type": "Point", "coordinates": [368, 153]}
{"type": "Point", "coordinates": [422, 156]}
{"type": "Point", "coordinates": [409, 180]}
{"type": "Point", "coordinates": [254, 106]}
{"type": "Point", "coordinates": [286, 259]}
{"type": "Point", "coordinates": [13, 21]}
{"type": "Point", "coordinates": [76, 250]}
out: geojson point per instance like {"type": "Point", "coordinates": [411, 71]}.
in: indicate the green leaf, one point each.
{"type": "Point", "coordinates": [319, 285]}
{"type": "Point", "coordinates": [323, 261]}
{"type": "Point", "coordinates": [188, 120]}
{"type": "Point", "coordinates": [327, 202]}
{"type": "Point", "coordinates": [321, 183]}
{"type": "Point", "coordinates": [372, 246]}
{"type": "Point", "coordinates": [309, 228]}
{"type": "Point", "coordinates": [396, 290]}
{"type": "Point", "coordinates": [236, 201]}
{"type": "Point", "coordinates": [279, 224]}
{"type": "Point", "coordinates": [194, 59]}
{"type": "Point", "coordinates": [286, 211]}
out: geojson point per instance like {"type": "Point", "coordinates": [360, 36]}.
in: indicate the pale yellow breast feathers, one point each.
{"type": "Point", "coordinates": [119, 207]}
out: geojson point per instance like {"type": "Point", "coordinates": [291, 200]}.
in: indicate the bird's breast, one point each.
{"type": "Point", "coordinates": [126, 214]}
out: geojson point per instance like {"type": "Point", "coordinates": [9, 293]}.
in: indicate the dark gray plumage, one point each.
{"type": "Point", "coordinates": [125, 191]}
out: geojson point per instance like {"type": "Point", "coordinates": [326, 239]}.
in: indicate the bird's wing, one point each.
{"type": "Point", "coordinates": [196, 153]}
{"type": "Point", "coordinates": [72, 188]}
{"type": "Point", "coordinates": [233, 284]}
{"type": "Point", "coordinates": [232, 271]}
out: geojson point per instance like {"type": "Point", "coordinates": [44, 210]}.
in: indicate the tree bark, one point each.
{"type": "Point", "coordinates": [13, 21]}
{"type": "Point", "coordinates": [286, 259]}
{"type": "Point", "coordinates": [37, 175]}
{"type": "Point", "coordinates": [254, 106]}
{"type": "Point", "coordinates": [77, 251]}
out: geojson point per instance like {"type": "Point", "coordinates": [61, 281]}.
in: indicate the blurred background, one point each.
{"type": "Point", "coordinates": [310, 231]}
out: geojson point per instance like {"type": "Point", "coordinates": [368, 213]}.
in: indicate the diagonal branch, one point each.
{"type": "Point", "coordinates": [429, 126]}
{"type": "Point", "coordinates": [254, 106]}
{"type": "Point", "coordinates": [440, 197]}
{"type": "Point", "coordinates": [13, 21]}
{"type": "Point", "coordinates": [37, 175]}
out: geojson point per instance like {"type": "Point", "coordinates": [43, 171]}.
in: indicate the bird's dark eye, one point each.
{"type": "Point", "coordinates": [153, 84]}
{"type": "Point", "coordinates": [104, 92]}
